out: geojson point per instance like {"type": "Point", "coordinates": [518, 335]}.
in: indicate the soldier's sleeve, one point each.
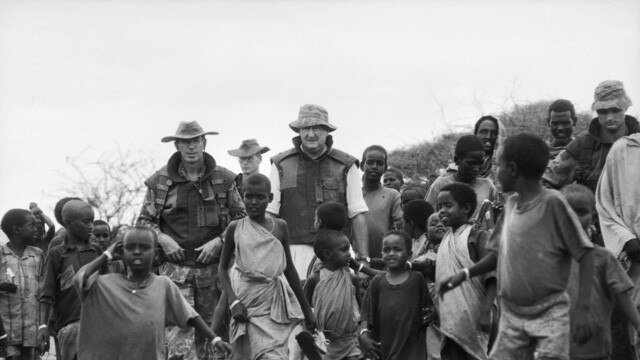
{"type": "Point", "coordinates": [148, 214]}
{"type": "Point", "coordinates": [561, 170]}
{"type": "Point", "coordinates": [234, 203]}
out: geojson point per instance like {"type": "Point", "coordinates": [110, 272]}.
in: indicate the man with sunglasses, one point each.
{"type": "Point", "coordinates": [583, 159]}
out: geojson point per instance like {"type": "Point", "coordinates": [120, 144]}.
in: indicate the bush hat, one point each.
{"type": "Point", "coordinates": [312, 115]}
{"type": "Point", "coordinates": [610, 94]}
{"type": "Point", "coordinates": [188, 130]}
{"type": "Point", "coordinates": [248, 148]}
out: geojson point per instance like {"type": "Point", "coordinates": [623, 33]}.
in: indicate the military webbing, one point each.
{"type": "Point", "coordinates": [584, 162]}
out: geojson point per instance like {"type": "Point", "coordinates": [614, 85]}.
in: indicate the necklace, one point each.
{"type": "Point", "coordinates": [140, 284]}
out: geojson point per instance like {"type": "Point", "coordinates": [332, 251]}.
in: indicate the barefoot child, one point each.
{"type": "Point", "coordinates": [610, 283]}
{"type": "Point", "coordinates": [61, 264]}
{"type": "Point", "coordinates": [333, 293]}
{"type": "Point", "coordinates": [262, 287]}
{"type": "Point", "coordinates": [124, 316]}
{"type": "Point", "coordinates": [467, 309]}
{"type": "Point", "coordinates": [20, 269]}
{"type": "Point", "coordinates": [533, 243]}
{"type": "Point", "coordinates": [385, 211]}
{"type": "Point", "coordinates": [392, 326]}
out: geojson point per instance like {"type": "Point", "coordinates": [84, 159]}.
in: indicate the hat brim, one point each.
{"type": "Point", "coordinates": [296, 125]}
{"type": "Point", "coordinates": [186, 137]}
{"type": "Point", "coordinates": [248, 152]}
{"type": "Point", "coordinates": [613, 103]}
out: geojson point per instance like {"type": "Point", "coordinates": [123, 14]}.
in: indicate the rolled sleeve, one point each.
{"type": "Point", "coordinates": [235, 204]}
{"type": "Point", "coordinates": [274, 177]}
{"type": "Point", "coordinates": [355, 201]}
{"type": "Point", "coordinates": [561, 170]}
{"type": "Point", "coordinates": [148, 215]}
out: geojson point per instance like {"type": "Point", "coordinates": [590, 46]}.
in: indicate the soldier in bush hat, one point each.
{"type": "Point", "coordinates": [584, 157]}
{"type": "Point", "coordinates": [249, 157]}
{"type": "Point", "coordinates": [189, 202]}
{"type": "Point", "coordinates": [310, 173]}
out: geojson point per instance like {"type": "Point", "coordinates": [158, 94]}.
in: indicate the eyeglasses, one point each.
{"type": "Point", "coordinates": [609, 111]}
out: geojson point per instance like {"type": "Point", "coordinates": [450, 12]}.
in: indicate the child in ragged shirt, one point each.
{"type": "Point", "coordinates": [533, 243]}
{"type": "Point", "coordinates": [20, 269]}
{"type": "Point", "coordinates": [464, 312]}
{"type": "Point", "coordinates": [610, 282]}
{"type": "Point", "coordinates": [124, 316]}
{"type": "Point", "coordinates": [333, 293]}
{"type": "Point", "coordinates": [392, 326]}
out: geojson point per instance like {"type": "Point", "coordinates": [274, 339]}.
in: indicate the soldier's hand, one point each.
{"type": "Point", "coordinates": [210, 251]}
{"type": "Point", "coordinates": [172, 250]}
{"type": "Point", "coordinates": [43, 338]}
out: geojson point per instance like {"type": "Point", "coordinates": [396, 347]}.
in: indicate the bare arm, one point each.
{"type": "Point", "coordinates": [487, 264]}
{"type": "Point", "coordinates": [361, 235]}
{"type": "Point", "coordinates": [225, 262]}
{"type": "Point", "coordinates": [294, 280]}
{"type": "Point", "coordinates": [583, 324]}
{"type": "Point", "coordinates": [626, 304]}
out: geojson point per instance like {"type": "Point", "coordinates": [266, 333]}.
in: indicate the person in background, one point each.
{"type": "Point", "coordinates": [249, 156]}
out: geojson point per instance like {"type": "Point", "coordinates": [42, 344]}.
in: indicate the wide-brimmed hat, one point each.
{"type": "Point", "coordinates": [188, 130]}
{"type": "Point", "coordinates": [610, 94]}
{"type": "Point", "coordinates": [248, 148]}
{"type": "Point", "coordinates": [312, 115]}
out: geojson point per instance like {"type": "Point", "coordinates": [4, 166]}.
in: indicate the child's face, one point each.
{"type": "Point", "coordinates": [256, 199]}
{"type": "Point", "coordinates": [469, 165]}
{"type": "Point", "coordinates": [435, 228]}
{"type": "Point", "coordinates": [81, 224]}
{"type": "Point", "coordinates": [339, 254]}
{"type": "Point", "coordinates": [391, 181]}
{"type": "Point", "coordinates": [375, 164]}
{"type": "Point", "coordinates": [561, 125]}
{"type": "Point", "coordinates": [101, 232]}
{"type": "Point", "coordinates": [505, 175]}
{"type": "Point", "coordinates": [139, 251]}
{"type": "Point", "coordinates": [451, 213]}
{"type": "Point", "coordinates": [27, 231]}
{"type": "Point", "coordinates": [488, 132]}
{"type": "Point", "coordinates": [583, 208]}
{"type": "Point", "coordinates": [394, 252]}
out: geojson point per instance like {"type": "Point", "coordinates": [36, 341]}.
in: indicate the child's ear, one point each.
{"type": "Point", "coordinates": [326, 253]}
{"type": "Point", "coordinates": [467, 210]}
{"type": "Point", "coordinates": [270, 197]}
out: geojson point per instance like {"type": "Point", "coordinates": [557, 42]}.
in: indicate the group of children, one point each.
{"type": "Point", "coordinates": [443, 284]}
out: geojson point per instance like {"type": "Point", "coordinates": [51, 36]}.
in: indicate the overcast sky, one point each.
{"type": "Point", "coordinates": [84, 78]}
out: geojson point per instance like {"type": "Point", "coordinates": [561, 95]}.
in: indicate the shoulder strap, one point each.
{"type": "Point", "coordinates": [162, 189]}
{"type": "Point", "coordinates": [221, 184]}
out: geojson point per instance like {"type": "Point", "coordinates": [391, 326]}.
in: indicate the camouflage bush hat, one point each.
{"type": "Point", "coordinates": [248, 148]}
{"type": "Point", "coordinates": [312, 115]}
{"type": "Point", "coordinates": [610, 94]}
{"type": "Point", "coordinates": [188, 130]}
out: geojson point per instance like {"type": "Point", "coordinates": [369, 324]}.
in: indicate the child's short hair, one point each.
{"type": "Point", "coordinates": [258, 179]}
{"type": "Point", "coordinates": [13, 217]}
{"type": "Point", "coordinates": [332, 215]}
{"type": "Point", "coordinates": [408, 242]}
{"type": "Point", "coordinates": [140, 230]}
{"type": "Point", "coordinates": [529, 152]}
{"type": "Point", "coordinates": [397, 173]}
{"type": "Point", "coordinates": [468, 143]}
{"type": "Point", "coordinates": [463, 194]}
{"type": "Point", "coordinates": [374, 148]}
{"type": "Point", "coordinates": [562, 105]}
{"type": "Point", "coordinates": [101, 222]}
{"type": "Point", "coordinates": [57, 210]}
{"type": "Point", "coordinates": [422, 192]}
{"type": "Point", "coordinates": [581, 191]}
{"type": "Point", "coordinates": [417, 211]}
{"type": "Point", "coordinates": [324, 241]}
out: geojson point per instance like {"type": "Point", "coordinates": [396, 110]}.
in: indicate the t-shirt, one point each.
{"type": "Point", "coordinates": [610, 279]}
{"type": "Point", "coordinates": [394, 314]}
{"type": "Point", "coordinates": [484, 188]}
{"type": "Point", "coordinates": [384, 211]}
{"type": "Point", "coordinates": [535, 242]}
{"type": "Point", "coordinates": [121, 320]}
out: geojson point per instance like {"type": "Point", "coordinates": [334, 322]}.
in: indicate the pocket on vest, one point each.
{"type": "Point", "coordinates": [208, 215]}
{"type": "Point", "coordinates": [330, 189]}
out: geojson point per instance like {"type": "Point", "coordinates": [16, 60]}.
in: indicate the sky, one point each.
{"type": "Point", "coordinates": [87, 79]}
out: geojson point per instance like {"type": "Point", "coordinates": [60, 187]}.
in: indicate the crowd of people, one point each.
{"type": "Point", "coordinates": [522, 248]}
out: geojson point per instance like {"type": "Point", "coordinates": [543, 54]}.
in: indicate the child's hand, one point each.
{"type": "Point", "coordinates": [8, 287]}
{"type": "Point", "coordinates": [43, 339]}
{"type": "Point", "coordinates": [239, 312]}
{"type": "Point", "coordinates": [450, 283]}
{"type": "Point", "coordinates": [116, 250]}
{"type": "Point", "coordinates": [370, 348]}
{"type": "Point", "coordinates": [221, 346]}
{"type": "Point", "coordinates": [354, 264]}
{"type": "Point", "coordinates": [34, 208]}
